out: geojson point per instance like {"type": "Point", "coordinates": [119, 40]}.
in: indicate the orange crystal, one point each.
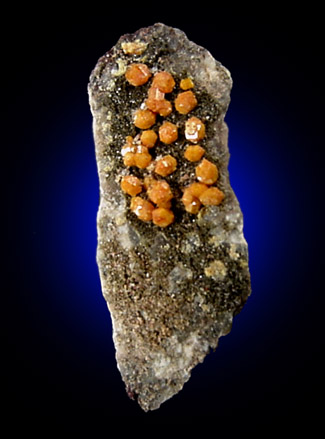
{"type": "Point", "coordinates": [186, 84]}
{"type": "Point", "coordinates": [144, 119]}
{"type": "Point", "coordinates": [197, 189]}
{"type": "Point", "coordinates": [185, 102]}
{"type": "Point", "coordinates": [166, 204]}
{"type": "Point", "coordinates": [164, 81]}
{"type": "Point", "coordinates": [128, 151]}
{"type": "Point", "coordinates": [165, 108]}
{"type": "Point", "coordinates": [148, 181]}
{"type": "Point", "coordinates": [168, 133]}
{"type": "Point", "coordinates": [166, 165]}
{"type": "Point", "coordinates": [194, 153]}
{"type": "Point", "coordinates": [148, 138]}
{"type": "Point", "coordinates": [160, 192]}
{"type": "Point", "coordinates": [207, 172]}
{"type": "Point", "coordinates": [131, 185]}
{"type": "Point", "coordinates": [142, 158]}
{"type": "Point", "coordinates": [128, 159]}
{"type": "Point", "coordinates": [212, 197]}
{"type": "Point", "coordinates": [191, 203]}
{"type": "Point", "coordinates": [128, 146]}
{"type": "Point", "coordinates": [162, 217]}
{"type": "Point", "coordinates": [154, 94]}
{"type": "Point", "coordinates": [142, 208]}
{"type": "Point", "coordinates": [157, 103]}
{"type": "Point", "coordinates": [137, 74]}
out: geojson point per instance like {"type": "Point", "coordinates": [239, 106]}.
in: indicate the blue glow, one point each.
{"type": "Point", "coordinates": [66, 336]}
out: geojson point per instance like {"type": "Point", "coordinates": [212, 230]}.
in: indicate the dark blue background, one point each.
{"type": "Point", "coordinates": [58, 328]}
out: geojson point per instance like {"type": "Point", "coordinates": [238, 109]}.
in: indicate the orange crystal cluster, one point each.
{"type": "Point", "coordinates": [155, 204]}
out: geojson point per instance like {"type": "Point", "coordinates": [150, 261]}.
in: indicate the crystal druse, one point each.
{"type": "Point", "coordinates": [172, 286]}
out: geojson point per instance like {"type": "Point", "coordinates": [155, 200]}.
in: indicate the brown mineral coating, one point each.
{"type": "Point", "coordinates": [172, 291]}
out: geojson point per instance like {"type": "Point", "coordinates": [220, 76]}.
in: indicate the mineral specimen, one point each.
{"type": "Point", "coordinates": [172, 258]}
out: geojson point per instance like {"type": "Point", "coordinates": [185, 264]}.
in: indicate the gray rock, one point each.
{"type": "Point", "coordinates": [173, 291]}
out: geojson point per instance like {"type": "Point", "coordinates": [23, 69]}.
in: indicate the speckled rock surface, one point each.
{"type": "Point", "coordinates": [173, 291]}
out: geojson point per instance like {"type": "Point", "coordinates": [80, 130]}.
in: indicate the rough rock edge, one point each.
{"type": "Point", "coordinates": [193, 350]}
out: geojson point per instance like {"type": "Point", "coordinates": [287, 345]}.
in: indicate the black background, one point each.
{"type": "Point", "coordinates": [56, 324]}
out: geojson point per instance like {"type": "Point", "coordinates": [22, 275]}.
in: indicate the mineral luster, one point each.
{"type": "Point", "coordinates": [172, 257]}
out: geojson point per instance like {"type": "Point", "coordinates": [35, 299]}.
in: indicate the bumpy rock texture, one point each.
{"type": "Point", "coordinates": [173, 291]}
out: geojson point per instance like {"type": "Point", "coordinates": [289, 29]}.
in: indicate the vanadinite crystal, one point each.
{"type": "Point", "coordinates": [171, 253]}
